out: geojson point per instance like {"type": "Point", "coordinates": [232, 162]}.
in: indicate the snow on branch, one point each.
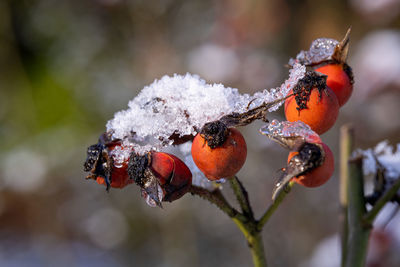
{"type": "Point", "coordinates": [382, 156]}
{"type": "Point", "coordinates": [180, 105]}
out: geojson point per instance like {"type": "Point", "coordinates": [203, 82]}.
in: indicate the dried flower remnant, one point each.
{"type": "Point", "coordinates": [297, 137]}
{"type": "Point", "coordinates": [302, 90]}
{"type": "Point", "coordinates": [161, 176]}
{"type": "Point", "coordinates": [307, 158]}
{"type": "Point", "coordinates": [107, 162]}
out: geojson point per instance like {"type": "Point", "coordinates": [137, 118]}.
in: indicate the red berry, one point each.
{"type": "Point", "coordinates": [119, 172]}
{"type": "Point", "coordinates": [222, 161]}
{"type": "Point", "coordinates": [320, 112]}
{"type": "Point", "coordinates": [174, 176]}
{"type": "Point", "coordinates": [338, 80]}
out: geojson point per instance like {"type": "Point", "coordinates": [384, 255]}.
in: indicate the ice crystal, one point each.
{"type": "Point", "coordinates": [286, 129]}
{"type": "Point", "coordinates": [320, 50]}
{"type": "Point", "coordinates": [120, 154]}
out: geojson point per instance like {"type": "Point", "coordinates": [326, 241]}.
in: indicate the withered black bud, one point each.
{"type": "Point", "coordinates": [98, 163]}
{"type": "Point", "coordinates": [349, 72]}
{"type": "Point", "coordinates": [215, 133]}
{"type": "Point", "coordinates": [304, 86]}
{"type": "Point", "coordinates": [137, 166]}
{"type": "Point", "coordinates": [93, 155]}
{"type": "Point", "coordinates": [309, 157]}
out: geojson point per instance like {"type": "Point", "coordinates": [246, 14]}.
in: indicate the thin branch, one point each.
{"type": "Point", "coordinates": [346, 148]}
{"type": "Point", "coordinates": [244, 222]}
{"type": "Point", "coordinates": [358, 231]}
{"type": "Point", "coordinates": [257, 250]}
{"type": "Point", "coordinates": [241, 196]}
{"type": "Point", "coordinates": [386, 197]}
{"type": "Point", "coordinates": [216, 198]}
{"type": "Point", "coordinates": [274, 205]}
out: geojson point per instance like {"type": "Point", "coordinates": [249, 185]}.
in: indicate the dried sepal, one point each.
{"type": "Point", "coordinates": [324, 50]}
{"type": "Point", "coordinates": [342, 49]}
{"type": "Point", "coordinates": [98, 162]}
{"type": "Point", "coordinates": [309, 157]}
{"type": "Point", "coordinates": [161, 176]}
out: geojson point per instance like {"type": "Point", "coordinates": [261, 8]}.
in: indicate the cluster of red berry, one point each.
{"type": "Point", "coordinates": [316, 101]}
{"type": "Point", "coordinates": [219, 150]}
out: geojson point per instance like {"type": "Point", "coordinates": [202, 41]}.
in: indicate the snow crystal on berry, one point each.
{"type": "Point", "coordinates": [320, 50]}
{"type": "Point", "coordinates": [120, 154]}
{"type": "Point", "coordinates": [290, 129]}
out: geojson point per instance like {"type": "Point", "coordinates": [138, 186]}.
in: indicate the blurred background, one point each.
{"type": "Point", "coordinates": [67, 66]}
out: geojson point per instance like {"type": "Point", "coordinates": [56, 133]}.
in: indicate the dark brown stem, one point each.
{"type": "Point", "coordinates": [216, 198]}
{"type": "Point", "coordinates": [247, 117]}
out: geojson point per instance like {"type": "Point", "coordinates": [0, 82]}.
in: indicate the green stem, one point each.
{"type": "Point", "coordinates": [245, 221]}
{"type": "Point", "coordinates": [241, 196]}
{"type": "Point", "coordinates": [346, 148]}
{"type": "Point", "coordinates": [254, 241]}
{"type": "Point", "coordinates": [358, 230]}
{"type": "Point", "coordinates": [273, 206]}
{"type": "Point", "coordinates": [389, 194]}
{"type": "Point", "coordinates": [257, 250]}
{"type": "Point", "coordinates": [250, 227]}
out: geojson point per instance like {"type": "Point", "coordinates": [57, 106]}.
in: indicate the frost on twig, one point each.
{"type": "Point", "coordinates": [382, 156]}
{"type": "Point", "coordinates": [179, 106]}
{"type": "Point", "coordinates": [383, 163]}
